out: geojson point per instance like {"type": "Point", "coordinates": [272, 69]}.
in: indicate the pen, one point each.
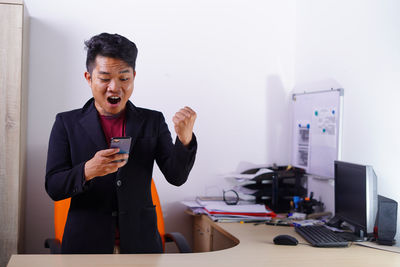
{"type": "Point", "coordinates": [279, 224]}
{"type": "Point", "coordinates": [253, 221]}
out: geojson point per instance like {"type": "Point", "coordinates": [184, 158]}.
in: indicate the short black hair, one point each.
{"type": "Point", "coordinates": [110, 45]}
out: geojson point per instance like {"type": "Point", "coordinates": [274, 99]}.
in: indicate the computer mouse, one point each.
{"type": "Point", "coordinates": [285, 240]}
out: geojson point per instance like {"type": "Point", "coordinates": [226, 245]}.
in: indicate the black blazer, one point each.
{"type": "Point", "coordinates": [123, 197]}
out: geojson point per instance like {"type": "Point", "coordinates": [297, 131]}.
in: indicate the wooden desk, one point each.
{"type": "Point", "coordinates": [255, 248]}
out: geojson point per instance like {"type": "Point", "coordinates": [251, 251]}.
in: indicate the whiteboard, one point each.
{"type": "Point", "coordinates": [317, 118]}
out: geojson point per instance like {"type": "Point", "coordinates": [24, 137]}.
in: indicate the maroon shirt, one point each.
{"type": "Point", "coordinates": [113, 126]}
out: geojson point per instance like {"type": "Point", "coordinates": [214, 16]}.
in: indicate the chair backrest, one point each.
{"type": "Point", "coordinates": [160, 218]}
{"type": "Point", "coordinates": [61, 209]}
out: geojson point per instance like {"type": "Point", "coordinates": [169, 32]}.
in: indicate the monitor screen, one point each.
{"type": "Point", "coordinates": [355, 195]}
{"type": "Point", "coordinates": [350, 203]}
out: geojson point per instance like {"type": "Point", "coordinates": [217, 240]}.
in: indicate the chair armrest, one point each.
{"type": "Point", "coordinates": [179, 240]}
{"type": "Point", "coordinates": [53, 244]}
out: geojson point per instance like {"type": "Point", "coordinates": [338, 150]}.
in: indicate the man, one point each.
{"type": "Point", "coordinates": [111, 201]}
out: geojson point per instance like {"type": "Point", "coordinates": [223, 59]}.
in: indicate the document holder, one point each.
{"type": "Point", "coordinates": [276, 189]}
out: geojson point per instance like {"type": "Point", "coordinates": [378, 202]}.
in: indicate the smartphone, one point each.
{"type": "Point", "coordinates": [123, 143]}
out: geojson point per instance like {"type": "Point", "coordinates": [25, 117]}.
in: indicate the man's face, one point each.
{"type": "Point", "coordinates": [112, 84]}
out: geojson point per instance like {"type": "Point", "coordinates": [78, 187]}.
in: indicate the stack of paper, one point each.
{"type": "Point", "coordinates": [239, 181]}
{"type": "Point", "coordinates": [246, 209]}
{"type": "Point", "coordinates": [220, 211]}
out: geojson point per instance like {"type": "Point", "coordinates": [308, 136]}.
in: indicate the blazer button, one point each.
{"type": "Point", "coordinates": [119, 183]}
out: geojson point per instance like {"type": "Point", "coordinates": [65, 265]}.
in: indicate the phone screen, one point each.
{"type": "Point", "coordinates": [123, 143]}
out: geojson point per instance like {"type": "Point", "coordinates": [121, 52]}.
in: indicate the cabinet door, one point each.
{"type": "Point", "coordinates": [208, 236]}
{"type": "Point", "coordinates": [11, 21]}
{"type": "Point", "coordinates": [202, 239]}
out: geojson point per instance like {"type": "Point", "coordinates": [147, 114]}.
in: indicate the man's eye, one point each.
{"type": "Point", "coordinates": [104, 80]}
{"type": "Point", "coordinates": [124, 79]}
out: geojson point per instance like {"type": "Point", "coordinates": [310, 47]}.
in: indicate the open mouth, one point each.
{"type": "Point", "coordinates": [113, 100]}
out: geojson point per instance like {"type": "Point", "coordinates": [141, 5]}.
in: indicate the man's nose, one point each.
{"type": "Point", "coordinates": [114, 86]}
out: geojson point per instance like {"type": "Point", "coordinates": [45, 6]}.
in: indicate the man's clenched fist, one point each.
{"type": "Point", "coordinates": [184, 122]}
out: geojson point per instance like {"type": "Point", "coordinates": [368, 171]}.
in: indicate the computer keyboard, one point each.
{"type": "Point", "coordinates": [320, 236]}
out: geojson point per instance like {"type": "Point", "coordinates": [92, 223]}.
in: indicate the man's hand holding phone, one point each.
{"type": "Point", "coordinates": [105, 162]}
{"type": "Point", "coordinates": [108, 160]}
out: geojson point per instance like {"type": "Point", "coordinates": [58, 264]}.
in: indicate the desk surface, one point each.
{"type": "Point", "coordinates": [255, 249]}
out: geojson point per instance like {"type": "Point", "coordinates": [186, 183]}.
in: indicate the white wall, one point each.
{"type": "Point", "coordinates": [232, 61]}
{"type": "Point", "coordinates": [356, 45]}
{"type": "Point", "coordinates": [235, 63]}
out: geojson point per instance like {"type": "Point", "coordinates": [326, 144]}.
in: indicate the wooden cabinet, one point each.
{"type": "Point", "coordinates": [13, 102]}
{"type": "Point", "coordinates": [208, 236]}
{"type": "Point", "coordinates": [202, 234]}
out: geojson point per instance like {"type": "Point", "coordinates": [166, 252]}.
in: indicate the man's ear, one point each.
{"type": "Point", "coordinates": [134, 74]}
{"type": "Point", "coordinates": [88, 78]}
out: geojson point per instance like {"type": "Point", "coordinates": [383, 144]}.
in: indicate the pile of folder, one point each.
{"type": "Point", "coordinates": [219, 211]}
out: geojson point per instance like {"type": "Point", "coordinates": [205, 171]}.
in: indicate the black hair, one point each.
{"type": "Point", "coordinates": [110, 45]}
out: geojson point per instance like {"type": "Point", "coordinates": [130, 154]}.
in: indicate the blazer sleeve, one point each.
{"type": "Point", "coordinates": [62, 179]}
{"type": "Point", "coordinates": [174, 160]}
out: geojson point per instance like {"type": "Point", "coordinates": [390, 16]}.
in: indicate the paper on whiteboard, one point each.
{"type": "Point", "coordinates": [323, 131]}
{"type": "Point", "coordinates": [323, 141]}
{"type": "Point", "coordinates": [303, 144]}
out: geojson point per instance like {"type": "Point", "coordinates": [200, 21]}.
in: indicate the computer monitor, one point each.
{"type": "Point", "coordinates": [356, 200]}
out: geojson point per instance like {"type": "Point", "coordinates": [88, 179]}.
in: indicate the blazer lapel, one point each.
{"type": "Point", "coordinates": [134, 122]}
{"type": "Point", "coordinates": [91, 123]}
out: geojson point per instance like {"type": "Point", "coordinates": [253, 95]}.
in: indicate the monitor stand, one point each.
{"type": "Point", "coordinates": [349, 236]}
{"type": "Point", "coordinates": [335, 222]}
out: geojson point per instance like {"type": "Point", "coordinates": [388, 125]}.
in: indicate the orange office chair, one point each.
{"type": "Point", "coordinates": [60, 218]}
